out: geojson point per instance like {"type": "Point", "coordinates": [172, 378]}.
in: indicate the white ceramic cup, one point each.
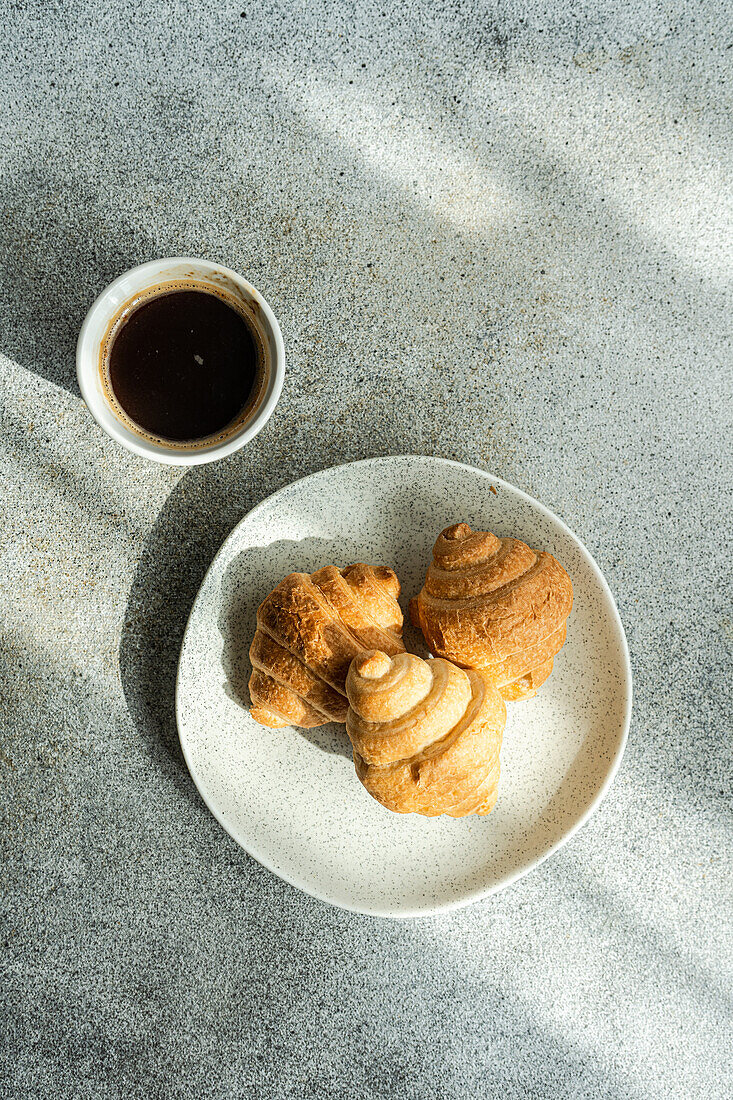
{"type": "Point", "coordinates": [96, 327]}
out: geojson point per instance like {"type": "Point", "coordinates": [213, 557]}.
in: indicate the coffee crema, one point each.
{"type": "Point", "coordinates": [183, 364]}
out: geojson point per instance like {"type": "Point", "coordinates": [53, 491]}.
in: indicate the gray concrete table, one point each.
{"type": "Point", "coordinates": [491, 232]}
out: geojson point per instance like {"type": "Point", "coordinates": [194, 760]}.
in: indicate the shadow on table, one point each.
{"type": "Point", "coordinates": [71, 248]}
{"type": "Point", "coordinates": [198, 514]}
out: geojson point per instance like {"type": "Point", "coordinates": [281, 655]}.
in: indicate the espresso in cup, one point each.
{"type": "Point", "coordinates": [184, 364]}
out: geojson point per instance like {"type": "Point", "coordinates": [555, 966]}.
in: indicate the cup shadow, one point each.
{"type": "Point", "coordinates": [199, 512]}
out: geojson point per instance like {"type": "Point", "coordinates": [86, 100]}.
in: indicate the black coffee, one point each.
{"type": "Point", "coordinates": [184, 364]}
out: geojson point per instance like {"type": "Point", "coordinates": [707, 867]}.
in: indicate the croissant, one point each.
{"type": "Point", "coordinates": [494, 604]}
{"type": "Point", "coordinates": [426, 734]}
{"type": "Point", "coordinates": [309, 629]}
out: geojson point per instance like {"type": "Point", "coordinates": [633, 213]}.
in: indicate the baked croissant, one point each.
{"type": "Point", "coordinates": [426, 734]}
{"type": "Point", "coordinates": [309, 629]}
{"type": "Point", "coordinates": [494, 604]}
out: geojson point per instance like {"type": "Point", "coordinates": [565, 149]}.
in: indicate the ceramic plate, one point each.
{"type": "Point", "coordinates": [291, 798]}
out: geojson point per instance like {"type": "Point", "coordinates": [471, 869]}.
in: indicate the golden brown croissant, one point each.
{"type": "Point", "coordinates": [494, 604]}
{"type": "Point", "coordinates": [309, 629]}
{"type": "Point", "coordinates": [426, 734]}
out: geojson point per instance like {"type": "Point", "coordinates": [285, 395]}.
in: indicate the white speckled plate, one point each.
{"type": "Point", "coordinates": [291, 798]}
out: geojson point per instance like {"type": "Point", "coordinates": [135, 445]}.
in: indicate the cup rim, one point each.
{"type": "Point", "coordinates": [103, 309]}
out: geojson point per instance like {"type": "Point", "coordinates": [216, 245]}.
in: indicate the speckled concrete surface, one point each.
{"type": "Point", "coordinates": [496, 233]}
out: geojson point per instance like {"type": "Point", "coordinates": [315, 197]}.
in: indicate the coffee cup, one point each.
{"type": "Point", "coordinates": [120, 300]}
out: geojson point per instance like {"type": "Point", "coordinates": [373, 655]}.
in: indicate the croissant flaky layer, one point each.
{"type": "Point", "coordinates": [426, 735]}
{"type": "Point", "coordinates": [494, 604]}
{"type": "Point", "coordinates": [309, 629]}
